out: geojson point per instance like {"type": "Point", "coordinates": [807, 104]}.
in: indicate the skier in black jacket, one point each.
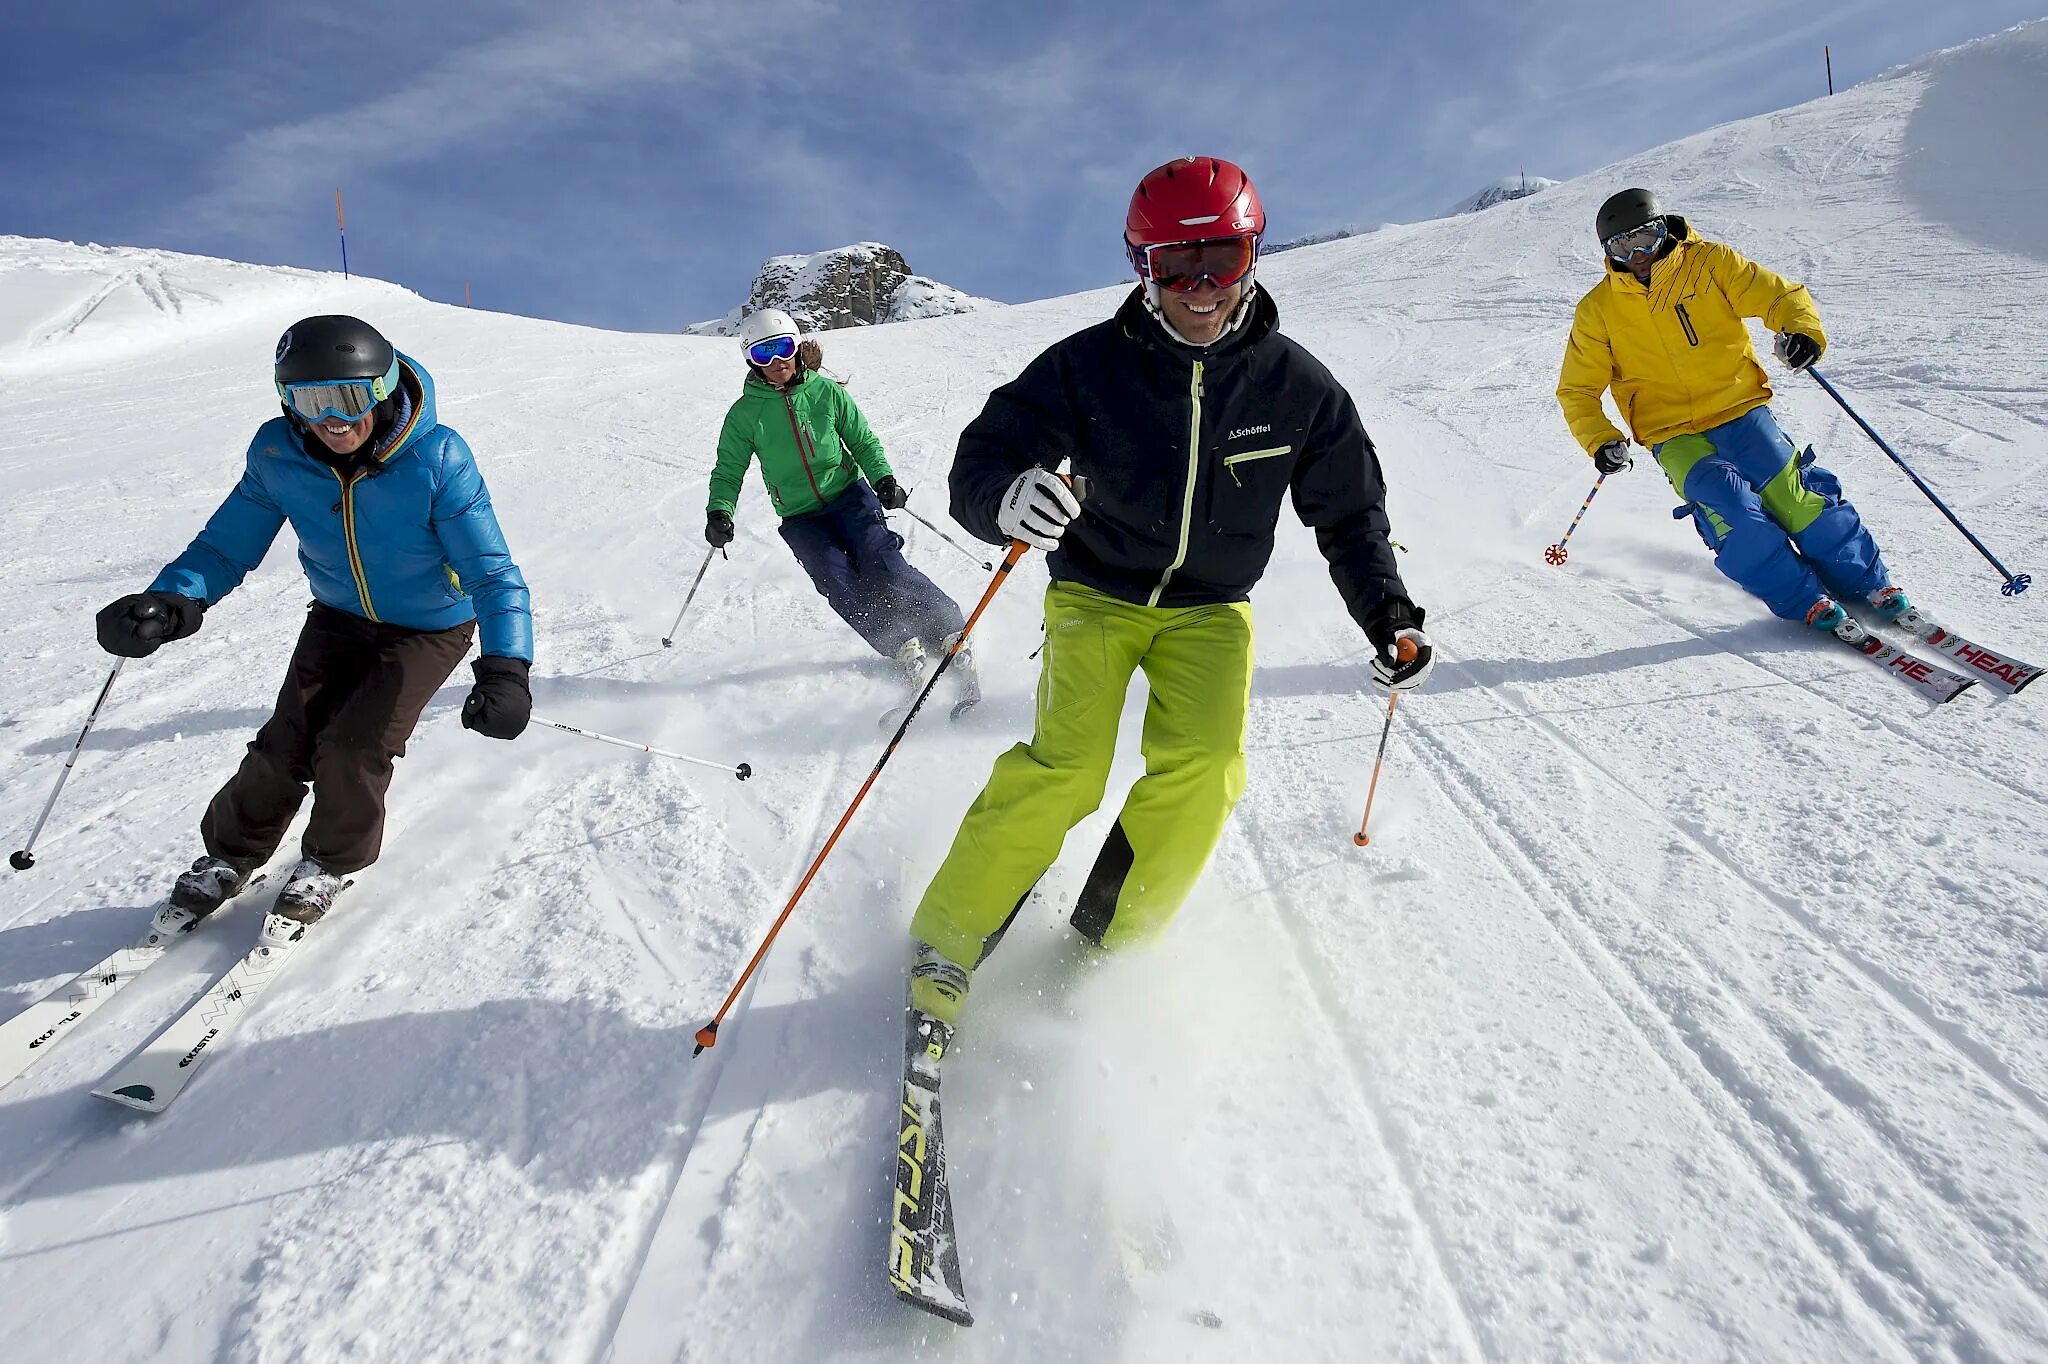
{"type": "Point", "coordinates": [1189, 416]}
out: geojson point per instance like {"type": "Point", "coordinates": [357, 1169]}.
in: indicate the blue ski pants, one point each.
{"type": "Point", "coordinates": [1777, 522]}
{"type": "Point", "coordinates": [856, 562]}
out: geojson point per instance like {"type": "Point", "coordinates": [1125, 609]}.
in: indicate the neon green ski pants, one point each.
{"type": "Point", "coordinates": [1198, 665]}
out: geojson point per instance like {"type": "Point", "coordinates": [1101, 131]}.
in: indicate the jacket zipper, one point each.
{"type": "Point", "coordinates": [347, 507]}
{"type": "Point", "coordinates": [1231, 462]}
{"type": "Point", "coordinates": [1685, 321]}
{"type": "Point", "coordinates": [796, 434]}
{"type": "Point", "coordinates": [1187, 504]}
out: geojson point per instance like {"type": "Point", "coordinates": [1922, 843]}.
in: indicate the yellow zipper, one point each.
{"type": "Point", "coordinates": [348, 535]}
{"type": "Point", "coordinates": [1187, 504]}
{"type": "Point", "coordinates": [1231, 462]}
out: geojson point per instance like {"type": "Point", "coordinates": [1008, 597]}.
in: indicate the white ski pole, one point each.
{"type": "Point", "coordinates": [740, 770]}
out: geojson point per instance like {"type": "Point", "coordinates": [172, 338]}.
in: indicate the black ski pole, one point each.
{"type": "Point", "coordinates": [668, 641]}
{"type": "Point", "coordinates": [25, 857]}
{"type": "Point", "coordinates": [947, 538]}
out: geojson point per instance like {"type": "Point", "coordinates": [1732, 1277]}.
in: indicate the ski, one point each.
{"type": "Point", "coordinates": [1931, 680]}
{"type": "Point", "coordinates": [154, 1076]}
{"type": "Point", "coordinates": [924, 1259]}
{"type": "Point", "coordinates": [2000, 672]}
{"type": "Point", "coordinates": [31, 1034]}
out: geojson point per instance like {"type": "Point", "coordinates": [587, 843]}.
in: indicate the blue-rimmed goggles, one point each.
{"type": "Point", "coordinates": [1622, 246]}
{"type": "Point", "coordinates": [348, 399]}
{"type": "Point", "coordinates": [767, 352]}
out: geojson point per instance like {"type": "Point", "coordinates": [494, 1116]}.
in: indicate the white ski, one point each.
{"type": "Point", "coordinates": [153, 1077]}
{"type": "Point", "coordinates": [1999, 671]}
{"type": "Point", "coordinates": [29, 1036]}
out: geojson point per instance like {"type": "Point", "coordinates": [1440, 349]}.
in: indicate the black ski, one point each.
{"type": "Point", "coordinates": [924, 1259]}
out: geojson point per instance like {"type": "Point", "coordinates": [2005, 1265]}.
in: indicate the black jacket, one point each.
{"type": "Point", "coordinates": [1187, 451]}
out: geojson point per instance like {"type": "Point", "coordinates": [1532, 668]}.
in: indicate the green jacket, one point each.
{"type": "Point", "coordinates": [808, 439]}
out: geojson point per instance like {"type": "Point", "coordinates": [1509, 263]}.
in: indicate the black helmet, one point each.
{"type": "Point", "coordinates": [318, 348]}
{"type": "Point", "coordinates": [1630, 208]}
{"type": "Point", "coordinates": [340, 366]}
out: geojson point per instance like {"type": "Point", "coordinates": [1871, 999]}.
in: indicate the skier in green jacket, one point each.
{"type": "Point", "coordinates": [814, 447]}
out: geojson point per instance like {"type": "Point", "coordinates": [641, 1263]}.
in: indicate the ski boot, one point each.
{"type": "Point", "coordinates": [211, 883]}
{"type": "Point", "coordinates": [910, 660]}
{"type": "Point", "coordinates": [938, 986]}
{"type": "Point", "coordinates": [966, 678]}
{"type": "Point", "coordinates": [308, 893]}
{"type": "Point", "coordinates": [1891, 604]}
{"type": "Point", "coordinates": [1826, 615]}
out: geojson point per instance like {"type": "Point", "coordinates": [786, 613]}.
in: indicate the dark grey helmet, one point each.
{"type": "Point", "coordinates": [332, 347]}
{"type": "Point", "coordinates": [1630, 208]}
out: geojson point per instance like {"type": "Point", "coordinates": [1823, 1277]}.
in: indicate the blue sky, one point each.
{"type": "Point", "coordinates": [629, 163]}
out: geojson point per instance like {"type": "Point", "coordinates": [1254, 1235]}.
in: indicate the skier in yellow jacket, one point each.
{"type": "Point", "coordinates": [1664, 330]}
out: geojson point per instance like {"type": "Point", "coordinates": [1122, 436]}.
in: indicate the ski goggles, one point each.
{"type": "Point", "coordinates": [348, 399]}
{"type": "Point", "coordinates": [1181, 266]}
{"type": "Point", "coordinates": [1648, 237]}
{"type": "Point", "coordinates": [765, 353]}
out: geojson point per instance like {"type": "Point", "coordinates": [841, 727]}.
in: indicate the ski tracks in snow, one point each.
{"type": "Point", "coordinates": [1926, 1214]}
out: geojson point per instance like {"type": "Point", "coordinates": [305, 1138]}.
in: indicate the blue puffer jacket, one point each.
{"type": "Point", "coordinates": [412, 541]}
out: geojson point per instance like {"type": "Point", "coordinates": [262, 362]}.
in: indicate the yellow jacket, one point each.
{"type": "Point", "coordinates": [1675, 351]}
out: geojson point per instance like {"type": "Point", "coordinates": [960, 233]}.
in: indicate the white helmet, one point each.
{"type": "Point", "coordinates": [765, 324]}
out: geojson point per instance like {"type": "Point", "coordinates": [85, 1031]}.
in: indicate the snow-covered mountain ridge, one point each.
{"type": "Point", "coordinates": [1688, 1004]}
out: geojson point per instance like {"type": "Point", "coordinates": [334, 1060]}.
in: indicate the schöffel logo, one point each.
{"type": "Point", "coordinates": [1244, 431]}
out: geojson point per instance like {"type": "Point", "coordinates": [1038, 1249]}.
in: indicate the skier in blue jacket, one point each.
{"type": "Point", "coordinates": [407, 564]}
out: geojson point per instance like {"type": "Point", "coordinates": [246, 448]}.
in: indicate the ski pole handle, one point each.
{"type": "Point", "coordinates": [25, 857]}
{"type": "Point", "coordinates": [740, 770]}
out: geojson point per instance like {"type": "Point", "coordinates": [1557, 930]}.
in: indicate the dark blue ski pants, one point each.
{"type": "Point", "coordinates": [856, 562]}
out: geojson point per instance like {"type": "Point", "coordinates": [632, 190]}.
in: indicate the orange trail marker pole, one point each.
{"type": "Point", "coordinates": [341, 228]}
{"type": "Point", "coordinates": [1404, 651]}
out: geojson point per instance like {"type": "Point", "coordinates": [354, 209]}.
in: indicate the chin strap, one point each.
{"type": "Point", "coordinates": [1237, 319]}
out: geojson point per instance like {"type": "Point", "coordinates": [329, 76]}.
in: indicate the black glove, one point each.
{"type": "Point", "coordinates": [718, 529]}
{"type": "Point", "coordinates": [134, 625]}
{"type": "Point", "coordinates": [499, 705]}
{"type": "Point", "coordinates": [1613, 457]}
{"type": "Point", "coordinates": [891, 494]}
{"type": "Point", "coordinates": [1797, 349]}
{"type": "Point", "coordinates": [1393, 621]}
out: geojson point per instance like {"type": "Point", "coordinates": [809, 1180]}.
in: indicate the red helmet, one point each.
{"type": "Point", "coordinates": [1191, 199]}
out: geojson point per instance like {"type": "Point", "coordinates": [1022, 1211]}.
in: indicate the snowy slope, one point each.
{"type": "Point", "coordinates": [1690, 1003]}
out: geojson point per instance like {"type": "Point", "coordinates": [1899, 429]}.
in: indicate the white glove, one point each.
{"type": "Point", "coordinates": [1397, 676]}
{"type": "Point", "coordinates": [1037, 508]}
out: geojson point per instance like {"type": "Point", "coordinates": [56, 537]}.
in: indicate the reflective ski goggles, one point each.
{"type": "Point", "coordinates": [348, 399]}
{"type": "Point", "coordinates": [1648, 237]}
{"type": "Point", "coordinates": [765, 353]}
{"type": "Point", "coordinates": [1181, 266]}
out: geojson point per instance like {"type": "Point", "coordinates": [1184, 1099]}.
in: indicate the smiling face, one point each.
{"type": "Point", "coordinates": [779, 372]}
{"type": "Point", "coordinates": [1201, 313]}
{"type": "Point", "coordinates": [344, 438]}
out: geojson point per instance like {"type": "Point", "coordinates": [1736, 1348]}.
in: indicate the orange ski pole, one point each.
{"type": "Point", "coordinates": [707, 1036]}
{"type": "Point", "coordinates": [1404, 651]}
